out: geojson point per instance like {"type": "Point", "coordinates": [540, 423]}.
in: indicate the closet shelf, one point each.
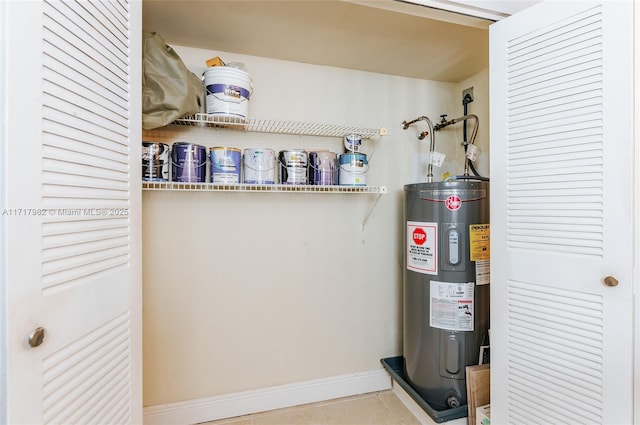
{"type": "Point", "coordinates": [277, 126]}
{"type": "Point", "coordinates": [243, 187]}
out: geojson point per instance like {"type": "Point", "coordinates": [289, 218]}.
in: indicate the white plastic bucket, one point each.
{"type": "Point", "coordinates": [227, 91]}
{"type": "Point", "coordinates": [353, 169]}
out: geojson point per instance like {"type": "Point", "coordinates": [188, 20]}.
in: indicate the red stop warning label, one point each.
{"type": "Point", "coordinates": [419, 236]}
{"type": "Point", "coordinates": [422, 243]}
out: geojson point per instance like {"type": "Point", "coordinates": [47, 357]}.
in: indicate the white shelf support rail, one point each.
{"type": "Point", "coordinates": [243, 187]}
{"type": "Point", "coordinates": [278, 126]}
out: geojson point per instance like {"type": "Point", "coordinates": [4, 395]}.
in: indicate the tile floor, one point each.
{"type": "Point", "coordinates": [382, 408]}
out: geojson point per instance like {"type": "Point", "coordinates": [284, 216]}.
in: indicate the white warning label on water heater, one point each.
{"type": "Point", "coordinates": [422, 243]}
{"type": "Point", "coordinates": [483, 272]}
{"type": "Point", "coordinates": [451, 305]}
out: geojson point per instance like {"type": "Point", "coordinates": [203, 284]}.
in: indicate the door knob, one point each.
{"type": "Point", "coordinates": [610, 281]}
{"type": "Point", "coordinates": [36, 337]}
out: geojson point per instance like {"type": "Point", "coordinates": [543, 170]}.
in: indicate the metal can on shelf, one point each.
{"type": "Point", "coordinates": [225, 165]}
{"type": "Point", "coordinates": [189, 162]}
{"type": "Point", "coordinates": [353, 169]}
{"type": "Point", "coordinates": [323, 168]}
{"type": "Point", "coordinates": [293, 166]}
{"type": "Point", "coordinates": [352, 142]}
{"type": "Point", "coordinates": [155, 162]}
{"type": "Point", "coordinates": [259, 166]}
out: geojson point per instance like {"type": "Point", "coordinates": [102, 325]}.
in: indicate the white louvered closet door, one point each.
{"type": "Point", "coordinates": [562, 179]}
{"type": "Point", "coordinates": [71, 211]}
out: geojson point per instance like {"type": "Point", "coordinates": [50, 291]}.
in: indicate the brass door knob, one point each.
{"type": "Point", "coordinates": [610, 281]}
{"type": "Point", "coordinates": [36, 337]}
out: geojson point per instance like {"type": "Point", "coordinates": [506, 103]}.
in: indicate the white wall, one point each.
{"type": "Point", "coordinates": [252, 290]}
{"type": "Point", "coordinates": [636, 47]}
{"type": "Point", "coordinates": [3, 283]}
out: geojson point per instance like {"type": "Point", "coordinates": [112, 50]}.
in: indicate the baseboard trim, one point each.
{"type": "Point", "coordinates": [247, 402]}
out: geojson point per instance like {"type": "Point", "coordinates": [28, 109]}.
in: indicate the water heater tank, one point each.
{"type": "Point", "coordinates": [446, 286]}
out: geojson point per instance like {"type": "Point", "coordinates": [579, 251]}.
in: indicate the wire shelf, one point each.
{"type": "Point", "coordinates": [243, 187]}
{"type": "Point", "coordinates": [277, 126]}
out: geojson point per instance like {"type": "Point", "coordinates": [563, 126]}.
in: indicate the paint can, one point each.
{"type": "Point", "coordinates": [293, 166]}
{"type": "Point", "coordinates": [352, 142]}
{"type": "Point", "coordinates": [155, 162]}
{"type": "Point", "coordinates": [353, 169]}
{"type": "Point", "coordinates": [227, 91]}
{"type": "Point", "coordinates": [323, 168]}
{"type": "Point", "coordinates": [189, 162]}
{"type": "Point", "coordinates": [259, 166]}
{"type": "Point", "coordinates": [225, 165]}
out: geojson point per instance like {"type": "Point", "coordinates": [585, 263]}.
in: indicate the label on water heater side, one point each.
{"type": "Point", "coordinates": [479, 242]}
{"type": "Point", "coordinates": [483, 272]}
{"type": "Point", "coordinates": [422, 243]}
{"type": "Point", "coordinates": [451, 305]}
{"type": "Point", "coordinates": [479, 251]}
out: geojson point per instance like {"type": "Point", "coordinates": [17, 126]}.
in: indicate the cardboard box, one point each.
{"type": "Point", "coordinates": [483, 415]}
{"type": "Point", "coordinates": [215, 62]}
{"type": "Point", "coordinates": [478, 389]}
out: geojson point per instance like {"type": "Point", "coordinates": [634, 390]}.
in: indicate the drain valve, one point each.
{"type": "Point", "coordinates": [453, 402]}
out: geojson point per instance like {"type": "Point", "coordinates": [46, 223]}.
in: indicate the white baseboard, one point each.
{"type": "Point", "coordinates": [247, 402]}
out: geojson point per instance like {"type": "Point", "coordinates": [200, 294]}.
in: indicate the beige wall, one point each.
{"type": "Point", "coordinates": [479, 107]}
{"type": "Point", "coordinates": [253, 290]}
